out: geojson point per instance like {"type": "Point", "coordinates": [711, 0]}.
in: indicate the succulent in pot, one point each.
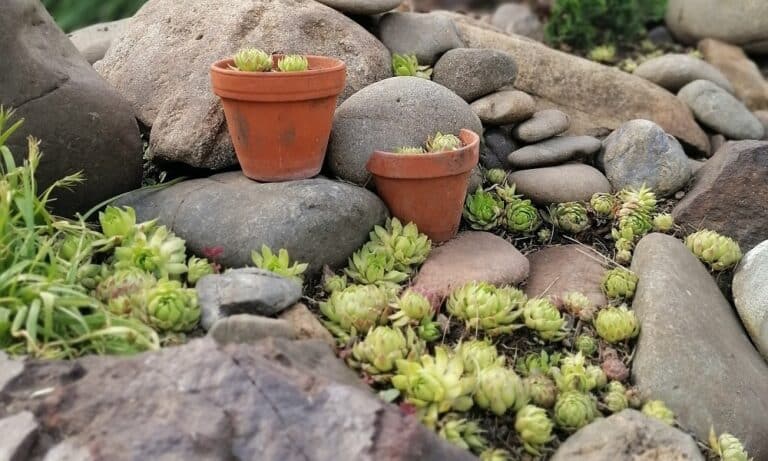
{"type": "Point", "coordinates": [410, 178]}
{"type": "Point", "coordinates": [279, 110]}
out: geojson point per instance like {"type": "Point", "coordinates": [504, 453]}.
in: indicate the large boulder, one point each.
{"type": "Point", "coordinates": [94, 41]}
{"type": "Point", "coordinates": [318, 221]}
{"type": "Point", "coordinates": [750, 295]}
{"type": "Point", "coordinates": [400, 111]}
{"type": "Point", "coordinates": [692, 352]}
{"type": "Point", "coordinates": [161, 64]}
{"type": "Point", "coordinates": [748, 83]}
{"type": "Point", "coordinates": [730, 193]}
{"type": "Point", "coordinates": [82, 123]}
{"type": "Point", "coordinates": [597, 98]}
{"type": "Point", "coordinates": [743, 23]}
{"type": "Point", "coordinates": [426, 36]}
{"type": "Point", "coordinates": [272, 401]}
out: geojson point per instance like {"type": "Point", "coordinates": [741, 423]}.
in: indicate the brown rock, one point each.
{"type": "Point", "coordinates": [730, 194]}
{"type": "Point", "coordinates": [572, 182]}
{"type": "Point", "coordinates": [558, 270]}
{"type": "Point", "coordinates": [306, 325]}
{"type": "Point", "coordinates": [472, 256]}
{"type": "Point", "coordinates": [597, 98]}
{"type": "Point", "coordinates": [748, 83]}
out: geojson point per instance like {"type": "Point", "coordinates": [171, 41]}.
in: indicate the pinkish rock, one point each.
{"type": "Point", "coordinates": [558, 270]}
{"type": "Point", "coordinates": [472, 256]}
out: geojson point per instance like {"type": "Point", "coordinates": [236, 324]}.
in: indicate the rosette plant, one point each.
{"type": "Point", "coordinates": [619, 283]}
{"type": "Point", "coordinates": [355, 309]}
{"type": "Point", "coordinates": [197, 269]}
{"type": "Point", "coordinates": [478, 355]}
{"type": "Point", "coordinates": [499, 389]}
{"type": "Point", "coordinates": [657, 409]}
{"type": "Point", "coordinates": [522, 217]}
{"type": "Point", "coordinates": [408, 66]}
{"type": "Point", "coordinates": [615, 324]}
{"type": "Point", "coordinates": [483, 306]}
{"type": "Point", "coordinates": [615, 398]}
{"type": "Point", "coordinates": [571, 217]}
{"type": "Point", "coordinates": [542, 316]}
{"type": "Point", "coordinates": [496, 176]}
{"type": "Point", "coordinates": [574, 410]}
{"type": "Point", "coordinates": [124, 291]}
{"type": "Point", "coordinates": [408, 246]}
{"type": "Point", "coordinates": [414, 309]}
{"type": "Point", "coordinates": [279, 263]}
{"type": "Point", "coordinates": [603, 204]}
{"type": "Point", "coordinates": [715, 250]}
{"type": "Point", "coordinates": [463, 433]}
{"type": "Point", "coordinates": [728, 447]}
{"type": "Point", "coordinates": [542, 390]}
{"type": "Point", "coordinates": [380, 349]}
{"type": "Point", "coordinates": [162, 254]}
{"type": "Point", "coordinates": [534, 428]}
{"type": "Point", "coordinates": [541, 363]}
{"type": "Point", "coordinates": [483, 210]}
{"type": "Point", "coordinates": [372, 264]}
{"type": "Point", "coordinates": [171, 307]}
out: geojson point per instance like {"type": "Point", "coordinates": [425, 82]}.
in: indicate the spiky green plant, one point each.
{"type": "Point", "coordinates": [252, 60]}
{"type": "Point", "coordinates": [279, 263]}
{"type": "Point", "coordinates": [715, 250]}
{"type": "Point", "coordinates": [483, 210]}
{"type": "Point", "coordinates": [483, 306]}
{"type": "Point", "coordinates": [293, 63]}
{"type": "Point", "coordinates": [605, 54]}
{"type": "Point", "coordinates": [440, 142]}
{"type": "Point", "coordinates": [657, 409]}
{"type": "Point", "coordinates": [570, 217]}
{"type": "Point", "coordinates": [408, 246]}
{"type": "Point", "coordinates": [615, 324]}
{"type": "Point", "coordinates": [728, 447]}
{"type": "Point", "coordinates": [171, 307]}
{"type": "Point", "coordinates": [496, 176]}
{"type": "Point", "coordinates": [542, 316]}
{"type": "Point", "coordinates": [574, 410]}
{"type": "Point", "coordinates": [619, 283]}
{"type": "Point", "coordinates": [521, 217]}
{"type": "Point", "coordinates": [499, 389]}
{"type": "Point", "coordinates": [463, 433]}
{"type": "Point", "coordinates": [355, 309]}
{"type": "Point", "coordinates": [374, 264]}
{"type": "Point", "coordinates": [410, 150]}
{"type": "Point", "coordinates": [602, 204]}
{"type": "Point", "coordinates": [534, 428]}
{"type": "Point", "coordinates": [408, 66]}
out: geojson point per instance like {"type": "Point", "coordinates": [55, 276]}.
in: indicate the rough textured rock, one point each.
{"type": "Point", "coordinates": [517, 18]}
{"type": "Point", "coordinates": [274, 400]}
{"type": "Point", "coordinates": [244, 291]}
{"type": "Point", "coordinates": [554, 151]}
{"type": "Point", "coordinates": [246, 328]}
{"type": "Point", "coordinates": [82, 123]}
{"type": "Point", "coordinates": [479, 256]}
{"type": "Point", "coordinates": [161, 64]}
{"type": "Point", "coordinates": [730, 194]}
{"type": "Point", "coordinates": [673, 71]}
{"type": "Point", "coordinates": [692, 352]}
{"type": "Point", "coordinates": [695, 165]}
{"type": "Point", "coordinates": [762, 115]}
{"type": "Point", "coordinates": [575, 182]}
{"type": "Point", "coordinates": [473, 73]}
{"type": "Point", "coordinates": [640, 152]}
{"type": "Point", "coordinates": [743, 23]}
{"type": "Point", "coordinates": [750, 295]}
{"type": "Point", "coordinates": [18, 433]}
{"type": "Point", "coordinates": [9, 368]}
{"type": "Point", "coordinates": [362, 6]}
{"type": "Point", "coordinates": [318, 221]}
{"type": "Point", "coordinates": [720, 111]}
{"type": "Point", "coordinates": [504, 107]}
{"type": "Point", "coordinates": [425, 35]}
{"type": "Point", "coordinates": [628, 436]}
{"type": "Point", "coordinates": [749, 84]}
{"type": "Point", "coordinates": [543, 125]}
{"type": "Point", "coordinates": [558, 270]}
{"type": "Point", "coordinates": [400, 111]}
{"type": "Point", "coordinates": [597, 98]}
{"type": "Point", "coordinates": [94, 41]}
{"type": "Point", "coordinates": [306, 325]}
{"type": "Point", "coordinates": [498, 145]}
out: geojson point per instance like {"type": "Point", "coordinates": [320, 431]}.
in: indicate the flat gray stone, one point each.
{"type": "Point", "coordinates": [750, 295]}
{"type": "Point", "coordinates": [572, 182]}
{"type": "Point", "coordinates": [362, 7]}
{"type": "Point", "coordinates": [640, 153]}
{"type": "Point", "coordinates": [17, 433]}
{"type": "Point", "coordinates": [244, 291]}
{"type": "Point", "coordinates": [94, 41]}
{"type": "Point", "coordinates": [673, 71]}
{"type": "Point", "coordinates": [245, 328]}
{"type": "Point", "coordinates": [543, 125]}
{"type": "Point", "coordinates": [628, 436]}
{"type": "Point", "coordinates": [318, 221]}
{"type": "Point", "coordinates": [554, 151]}
{"type": "Point", "coordinates": [504, 107]}
{"type": "Point", "coordinates": [425, 35]}
{"type": "Point", "coordinates": [473, 72]}
{"type": "Point", "coordinates": [692, 352]}
{"type": "Point", "coordinates": [721, 111]}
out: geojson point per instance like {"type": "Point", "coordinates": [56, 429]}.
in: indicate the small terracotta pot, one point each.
{"type": "Point", "coordinates": [427, 189]}
{"type": "Point", "coordinates": [280, 122]}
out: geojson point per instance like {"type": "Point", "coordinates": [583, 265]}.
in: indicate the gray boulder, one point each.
{"type": "Point", "coordinates": [400, 111]}
{"type": "Point", "coordinates": [94, 41]}
{"type": "Point", "coordinates": [517, 18]}
{"type": "Point", "coordinates": [572, 182]}
{"type": "Point", "coordinates": [362, 7]}
{"type": "Point", "coordinates": [640, 152]}
{"type": "Point", "coordinates": [425, 35]}
{"type": "Point", "coordinates": [692, 352]}
{"type": "Point", "coordinates": [750, 295]}
{"type": "Point", "coordinates": [318, 221]}
{"type": "Point", "coordinates": [721, 111]}
{"type": "Point", "coordinates": [543, 125]}
{"type": "Point", "coordinates": [474, 73]}
{"type": "Point", "coordinates": [163, 71]}
{"type": "Point", "coordinates": [554, 151]}
{"type": "Point", "coordinates": [83, 124]}
{"type": "Point", "coordinates": [673, 71]}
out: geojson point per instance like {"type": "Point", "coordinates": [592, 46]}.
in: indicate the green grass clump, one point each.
{"type": "Point", "coordinates": [74, 14]}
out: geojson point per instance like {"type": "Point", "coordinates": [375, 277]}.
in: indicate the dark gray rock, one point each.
{"type": "Point", "coordinates": [750, 295]}
{"type": "Point", "coordinates": [504, 107]}
{"type": "Point", "coordinates": [628, 436]}
{"type": "Point", "coordinates": [640, 152]}
{"type": "Point", "coordinates": [94, 41]}
{"type": "Point", "coordinates": [562, 183]}
{"type": "Point", "coordinates": [164, 72]}
{"type": "Point", "coordinates": [692, 352]}
{"type": "Point", "coordinates": [273, 400]}
{"type": "Point", "coordinates": [244, 291]}
{"type": "Point", "coordinates": [543, 125]}
{"type": "Point", "coordinates": [720, 111]}
{"type": "Point", "coordinates": [18, 433]}
{"type": "Point", "coordinates": [498, 145]}
{"type": "Point", "coordinates": [362, 7]}
{"type": "Point", "coordinates": [729, 194]}
{"type": "Point", "coordinates": [554, 151]}
{"type": "Point", "coordinates": [660, 35]}
{"type": "Point", "coordinates": [673, 71]}
{"type": "Point", "coordinates": [517, 18]}
{"type": "Point", "coordinates": [82, 123]}
{"type": "Point", "coordinates": [400, 111]}
{"type": "Point", "coordinates": [245, 328]}
{"type": "Point", "coordinates": [473, 73]}
{"type": "Point", "coordinates": [425, 35]}
{"type": "Point", "coordinates": [318, 221]}
{"type": "Point", "coordinates": [9, 368]}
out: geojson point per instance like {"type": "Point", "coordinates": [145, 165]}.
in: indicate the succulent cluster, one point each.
{"type": "Point", "coordinates": [570, 217]}
{"type": "Point", "coordinates": [619, 283]}
{"type": "Point", "coordinates": [380, 349]}
{"type": "Point", "coordinates": [615, 397]}
{"type": "Point", "coordinates": [483, 210]}
{"type": "Point", "coordinates": [715, 250]}
{"type": "Point", "coordinates": [252, 60]}
{"type": "Point", "coordinates": [408, 66]}
{"type": "Point", "coordinates": [728, 447]}
{"type": "Point", "coordinates": [414, 309]}
{"type": "Point", "coordinates": [436, 143]}
{"type": "Point", "coordinates": [534, 427]}
{"type": "Point", "coordinates": [293, 63]}
{"type": "Point", "coordinates": [279, 263]}
{"type": "Point", "coordinates": [542, 316]}
{"type": "Point", "coordinates": [463, 433]}
{"type": "Point", "coordinates": [574, 410]}
{"type": "Point", "coordinates": [615, 324]}
{"type": "Point", "coordinates": [485, 307]}
{"type": "Point", "coordinates": [657, 409]}
{"type": "Point", "coordinates": [355, 309]}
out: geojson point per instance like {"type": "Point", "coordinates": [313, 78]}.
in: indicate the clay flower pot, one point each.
{"type": "Point", "coordinates": [427, 189]}
{"type": "Point", "coordinates": [280, 122]}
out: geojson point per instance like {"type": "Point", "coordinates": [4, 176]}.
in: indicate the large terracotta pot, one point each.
{"type": "Point", "coordinates": [427, 189]}
{"type": "Point", "coordinates": [280, 122]}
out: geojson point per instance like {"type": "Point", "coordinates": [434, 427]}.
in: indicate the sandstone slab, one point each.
{"type": "Point", "coordinates": [558, 270]}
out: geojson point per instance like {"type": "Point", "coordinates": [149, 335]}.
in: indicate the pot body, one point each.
{"type": "Point", "coordinates": [427, 189]}
{"type": "Point", "coordinates": [280, 122]}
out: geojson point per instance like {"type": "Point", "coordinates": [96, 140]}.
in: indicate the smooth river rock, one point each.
{"type": "Point", "coordinates": [474, 72]}
{"type": "Point", "coordinates": [750, 295]}
{"type": "Point", "coordinates": [673, 71]}
{"type": "Point", "coordinates": [504, 107]}
{"type": "Point", "coordinates": [562, 183]}
{"type": "Point", "coordinates": [362, 7]}
{"type": "Point", "coordinates": [559, 270]}
{"type": "Point", "coordinates": [554, 151]}
{"type": "Point", "coordinates": [94, 41]}
{"type": "Point", "coordinates": [748, 82]}
{"type": "Point", "coordinates": [543, 125]}
{"type": "Point", "coordinates": [427, 36]}
{"type": "Point", "coordinates": [720, 111]}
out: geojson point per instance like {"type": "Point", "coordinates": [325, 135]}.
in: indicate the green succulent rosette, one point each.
{"type": "Point", "coordinates": [715, 250]}
{"type": "Point", "coordinates": [616, 324]}
{"type": "Point", "coordinates": [574, 410]}
{"type": "Point", "coordinates": [521, 217]}
{"type": "Point", "coordinates": [570, 217]}
{"type": "Point", "coordinates": [657, 409]}
{"type": "Point", "coordinates": [534, 428]}
{"type": "Point", "coordinates": [542, 316]}
{"type": "Point", "coordinates": [500, 389]}
{"type": "Point", "coordinates": [482, 306]}
{"type": "Point", "coordinates": [171, 307]}
{"type": "Point", "coordinates": [483, 210]}
{"type": "Point", "coordinates": [355, 309]}
{"type": "Point", "coordinates": [619, 283]}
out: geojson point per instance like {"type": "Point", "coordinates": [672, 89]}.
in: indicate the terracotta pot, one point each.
{"type": "Point", "coordinates": [427, 189]}
{"type": "Point", "coordinates": [280, 122]}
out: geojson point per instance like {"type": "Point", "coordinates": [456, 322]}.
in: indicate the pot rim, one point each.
{"type": "Point", "coordinates": [335, 65]}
